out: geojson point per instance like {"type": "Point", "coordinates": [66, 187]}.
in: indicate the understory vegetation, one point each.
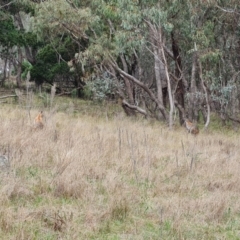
{"type": "Point", "coordinates": [158, 56]}
{"type": "Point", "coordinates": [91, 173]}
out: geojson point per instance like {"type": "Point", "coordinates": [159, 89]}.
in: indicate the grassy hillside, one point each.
{"type": "Point", "coordinates": [98, 175]}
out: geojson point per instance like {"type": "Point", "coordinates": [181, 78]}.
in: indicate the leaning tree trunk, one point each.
{"type": "Point", "coordinates": [141, 85]}
{"type": "Point", "coordinates": [180, 91]}
{"type": "Point", "coordinates": [129, 90]}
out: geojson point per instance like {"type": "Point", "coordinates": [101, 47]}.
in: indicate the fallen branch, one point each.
{"type": "Point", "coordinates": [8, 96]}
{"type": "Point", "coordinates": [142, 85]}
{"type": "Point", "coordinates": [133, 107]}
{"type": "Point", "coordinates": [233, 119]}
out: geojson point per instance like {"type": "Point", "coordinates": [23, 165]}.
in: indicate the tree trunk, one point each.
{"type": "Point", "coordinates": [128, 85]}
{"type": "Point", "coordinates": [169, 90]}
{"type": "Point", "coordinates": [159, 67]}
{"type": "Point", "coordinates": [129, 89]}
{"type": "Point", "coordinates": [19, 68]}
{"type": "Point", "coordinates": [143, 86]}
{"type": "Point", "coordinates": [164, 65]}
{"type": "Point", "coordinates": [192, 108]}
{"type": "Point", "coordinates": [205, 92]}
{"type": "Point", "coordinates": [180, 92]}
{"type": "Point", "coordinates": [28, 52]}
{"type": "Point", "coordinates": [4, 72]}
{"type": "Point", "coordinates": [157, 75]}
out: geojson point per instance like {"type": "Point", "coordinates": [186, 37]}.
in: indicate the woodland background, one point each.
{"type": "Point", "coordinates": [163, 59]}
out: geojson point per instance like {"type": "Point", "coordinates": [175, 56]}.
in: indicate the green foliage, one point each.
{"type": "Point", "coordinates": [74, 93]}
{"type": "Point", "coordinates": [9, 35]}
{"type": "Point", "coordinates": [30, 39]}
{"type": "Point", "coordinates": [47, 54]}
{"type": "Point", "coordinates": [43, 71]}
{"type": "Point", "coordinates": [26, 66]}
{"type": "Point", "coordinates": [54, 18]}
{"type": "Point", "coordinates": [20, 5]}
{"type": "Point", "coordinates": [47, 64]}
{"type": "Point", "coordinates": [211, 57]}
{"type": "Point", "coordinates": [95, 30]}
{"type": "Point", "coordinates": [100, 89]}
{"type": "Point", "coordinates": [87, 91]}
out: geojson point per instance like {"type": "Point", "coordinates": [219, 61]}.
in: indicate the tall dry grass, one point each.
{"type": "Point", "coordinates": [82, 177]}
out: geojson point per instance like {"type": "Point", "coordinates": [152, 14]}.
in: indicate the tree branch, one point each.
{"type": "Point", "coordinates": [8, 96]}
{"type": "Point", "coordinates": [7, 4]}
{"type": "Point", "coordinates": [142, 85]}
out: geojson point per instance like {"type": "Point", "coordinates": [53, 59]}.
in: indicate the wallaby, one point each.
{"type": "Point", "coordinates": [38, 121]}
{"type": "Point", "coordinates": [191, 127]}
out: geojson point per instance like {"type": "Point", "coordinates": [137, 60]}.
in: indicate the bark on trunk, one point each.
{"type": "Point", "coordinates": [27, 49]}
{"type": "Point", "coordinates": [4, 72]}
{"type": "Point", "coordinates": [19, 67]}
{"type": "Point", "coordinates": [205, 93]}
{"type": "Point", "coordinates": [192, 108]}
{"type": "Point", "coordinates": [128, 84]}
{"type": "Point", "coordinates": [157, 75]}
{"type": "Point", "coordinates": [180, 91]}
{"type": "Point", "coordinates": [129, 90]}
{"type": "Point", "coordinates": [169, 90]}
{"type": "Point", "coordinates": [159, 66]}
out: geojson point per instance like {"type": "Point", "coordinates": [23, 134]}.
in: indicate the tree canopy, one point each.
{"type": "Point", "coordinates": [163, 56]}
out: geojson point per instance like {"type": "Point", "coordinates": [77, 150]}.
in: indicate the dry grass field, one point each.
{"type": "Point", "coordinates": [90, 176]}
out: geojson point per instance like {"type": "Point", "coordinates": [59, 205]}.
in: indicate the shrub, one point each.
{"type": "Point", "coordinates": [100, 89]}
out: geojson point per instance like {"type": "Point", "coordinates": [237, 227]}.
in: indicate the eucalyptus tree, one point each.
{"type": "Point", "coordinates": [186, 43]}
{"type": "Point", "coordinates": [225, 87]}
{"type": "Point", "coordinates": [114, 36]}
{"type": "Point", "coordinates": [211, 26]}
{"type": "Point", "coordinates": [15, 38]}
{"type": "Point", "coordinates": [63, 25]}
{"type": "Point", "coordinates": [165, 55]}
{"type": "Point", "coordinates": [136, 51]}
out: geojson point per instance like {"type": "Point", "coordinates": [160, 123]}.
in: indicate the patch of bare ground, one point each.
{"type": "Point", "coordinates": [82, 177]}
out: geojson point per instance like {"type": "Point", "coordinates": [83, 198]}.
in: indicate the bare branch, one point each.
{"type": "Point", "coordinates": [8, 96]}
{"type": "Point", "coordinates": [133, 107]}
{"type": "Point", "coordinates": [7, 4]}
{"type": "Point", "coordinates": [228, 10]}
{"type": "Point", "coordinates": [142, 85]}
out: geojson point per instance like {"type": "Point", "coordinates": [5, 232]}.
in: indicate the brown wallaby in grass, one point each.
{"type": "Point", "coordinates": [38, 121]}
{"type": "Point", "coordinates": [191, 127]}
